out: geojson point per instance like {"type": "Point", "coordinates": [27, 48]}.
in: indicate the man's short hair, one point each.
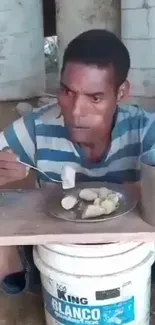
{"type": "Point", "coordinates": [101, 48]}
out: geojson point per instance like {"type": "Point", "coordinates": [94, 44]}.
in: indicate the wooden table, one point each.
{"type": "Point", "coordinates": [24, 221]}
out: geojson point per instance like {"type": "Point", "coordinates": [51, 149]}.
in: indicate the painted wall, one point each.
{"type": "Point", "coordinates": [74, 17]}
{"type": "Point", "coordinates": [138, 33]}
{"type": "Point", "coordinates": [22, 70]}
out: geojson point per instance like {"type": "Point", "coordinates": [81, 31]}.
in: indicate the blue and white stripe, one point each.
{"type": "Point", "coordinates": [41, 139]}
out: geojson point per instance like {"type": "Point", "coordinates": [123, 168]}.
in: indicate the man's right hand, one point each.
{"type": "Point", "coordinates": [10, 169]}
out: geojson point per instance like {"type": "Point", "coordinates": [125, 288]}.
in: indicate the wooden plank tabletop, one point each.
{"type": "Point", "coordinates": [24, 221]}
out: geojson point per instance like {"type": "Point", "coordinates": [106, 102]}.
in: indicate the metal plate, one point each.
{"type": "Point", "coordinates": [127, 202]}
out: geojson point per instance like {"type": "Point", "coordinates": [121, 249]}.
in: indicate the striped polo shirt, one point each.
{"type": "Point", "coordinates": [41, 139]}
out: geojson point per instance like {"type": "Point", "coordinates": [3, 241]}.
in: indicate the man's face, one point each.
{"type": "Point", "coordinates": [88, 100]}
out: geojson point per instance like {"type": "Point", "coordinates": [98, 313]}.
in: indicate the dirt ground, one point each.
{"type": "Point", "coordinates": [27, 309]}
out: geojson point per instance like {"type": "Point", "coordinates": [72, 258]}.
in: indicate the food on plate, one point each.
{"type": "Point", "coordinates": [92, 211]}
{"type": "Point", "coordinates": [88, 194]}
{"type": "Point", "coordinates": [68, 202]}
{"type": "Point", "coordinates": [97, 201]}
{"type": "Point", "coordinates": [105, 203]}
{"type": "Point", "coordinates": [102, 202]}
{"type": "Point", "coordinates": [113, 197]}
{"type": "Point", "coordinates": [108, 206]}
{"type": "Point", "coordinates": [104, 192]}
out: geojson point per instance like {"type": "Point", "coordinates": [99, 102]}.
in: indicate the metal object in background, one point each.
{"type": "Point", "coordinates": [148, 186]}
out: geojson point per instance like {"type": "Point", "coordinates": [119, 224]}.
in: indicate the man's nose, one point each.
{"type": "Point", "coordinates": [78, 107]}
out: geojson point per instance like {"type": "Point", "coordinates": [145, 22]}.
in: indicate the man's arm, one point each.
{"type": "Point", "coordinates": [20, 139]}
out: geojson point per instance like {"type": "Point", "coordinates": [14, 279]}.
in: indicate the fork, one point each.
{"type": "Point", "coordinates": [40, 171]}
{"type": "Point", "coordinates": [65, 175]}
{"type": "Point", "coordinates": [65, 178]}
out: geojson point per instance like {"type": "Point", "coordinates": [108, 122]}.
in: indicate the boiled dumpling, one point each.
{"type": "Point", "coordinates": [104, 192]}
{"type": "Point", "coordinates": [93, 211]}
{"type": "Point", "coordinates": [97, 201]}
{"type": "Point", "coordinates": [113, 197]}
{"type": "Point", "coordinates": [96, 190]}
{"type": "Point", "coordinates": [68, 202]}
{"type": "Point", "coordinates": [108, 206]}
{"type": "Point", "coordinates": [88, 194]}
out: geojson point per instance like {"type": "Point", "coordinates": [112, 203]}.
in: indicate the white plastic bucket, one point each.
{"type": "Point", "coordinates": [96, 284]}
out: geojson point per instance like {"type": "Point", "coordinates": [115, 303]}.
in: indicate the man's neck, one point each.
{"type": "Point", "coordinates": [95, 153]}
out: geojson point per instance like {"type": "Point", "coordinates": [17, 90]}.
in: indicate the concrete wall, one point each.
{"type": "Point", "coordinates": [22, 70]}
{"type": "Point", "coordinates": [138, 33]}
{"type": "Point", "coordinates": [76, 16]}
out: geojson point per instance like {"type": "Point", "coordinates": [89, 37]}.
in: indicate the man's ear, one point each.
{"type": "Point", "coordinates": [123, 91]}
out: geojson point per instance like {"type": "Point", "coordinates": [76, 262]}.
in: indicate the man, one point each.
{"type": "Point", "coordinates": [87, 130]}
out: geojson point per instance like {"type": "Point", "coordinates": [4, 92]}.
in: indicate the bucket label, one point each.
{"type": "Point", "coordinates": [74, 310]}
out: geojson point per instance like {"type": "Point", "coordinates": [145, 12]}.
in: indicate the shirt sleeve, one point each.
{"type": "Point", "coordinates": [148, 132]}
{"type": "Point", "coordinates": [20, 138]}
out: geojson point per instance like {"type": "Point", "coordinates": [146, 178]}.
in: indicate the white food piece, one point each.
{"type": "Point", "coordinates": [68, 177]}
{"type": "Point", "coordinates": [68, 202]}
{"type": "Point", "coordinates": [108, 206]}
{"type": "Point", "coordinates": [88, 195]}
{"type": "Point", "coordinates": [93, 211]}
{"type": "Point", "coordinates": [104, 192]}
{"type": "Point", "coordinates": [97, 201]}
{"type": "Point", "coordinates": [114, 198]}
{"type": "Point", "coordinates": [96, 190]}
{"type": "Point", "coordinates": [104, 201]}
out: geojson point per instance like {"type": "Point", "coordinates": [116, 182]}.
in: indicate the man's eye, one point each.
{"type": "Point", "coordinates": [67, 91]}
{"type": "Point", "coordinates": [96, 99]}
